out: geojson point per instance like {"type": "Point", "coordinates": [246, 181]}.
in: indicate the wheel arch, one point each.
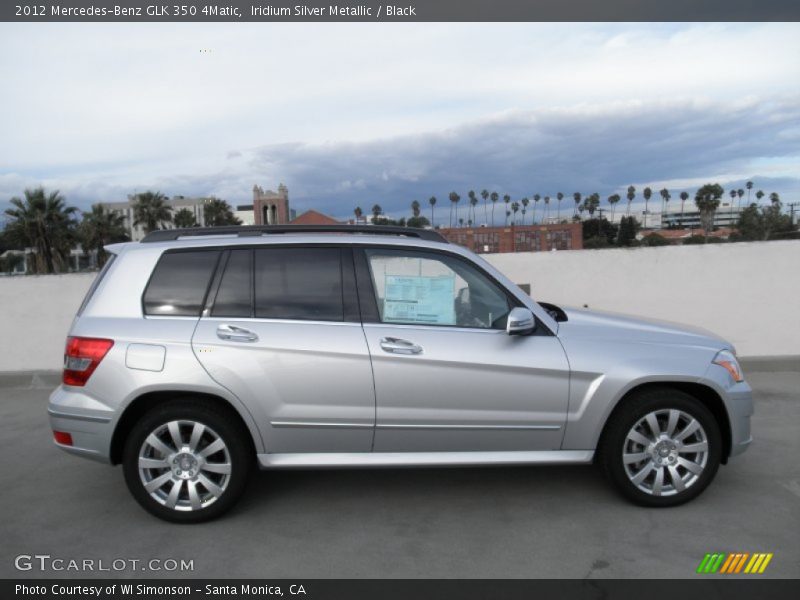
{"type": "Point", "coordinates": [143, 403]}
{"type": "Point", "coordinates": [701, 392]}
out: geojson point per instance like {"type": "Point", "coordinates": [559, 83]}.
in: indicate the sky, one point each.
{"type": "Point", "coordinates": [355, 114]}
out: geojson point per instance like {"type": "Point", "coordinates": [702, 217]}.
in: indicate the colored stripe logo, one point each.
{"type": "Point", "coordinates": [734, 563]}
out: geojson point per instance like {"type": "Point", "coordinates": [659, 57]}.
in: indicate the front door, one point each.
{"type": "Point", "coordinates": [282, 332]}
{"type": "Point", "coordinates": [448, 378]}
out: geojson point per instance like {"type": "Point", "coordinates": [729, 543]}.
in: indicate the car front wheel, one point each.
{"type": "Point", "coordinates": [662, 448]}
{"type": "Point", "coordinates": [186, 461]}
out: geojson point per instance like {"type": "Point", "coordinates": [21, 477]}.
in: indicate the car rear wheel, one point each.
{"type": "Point", "coordinates": [662, 448]}
{"type": "Point", "coordinates": [187, 461]}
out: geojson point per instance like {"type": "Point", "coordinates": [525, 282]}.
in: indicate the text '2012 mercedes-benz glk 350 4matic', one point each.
{"type": "Point", "coordinates": [200, 353]}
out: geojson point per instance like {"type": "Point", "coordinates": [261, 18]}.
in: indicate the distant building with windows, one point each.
{"type": "Point", "coordinates": [517, 238]}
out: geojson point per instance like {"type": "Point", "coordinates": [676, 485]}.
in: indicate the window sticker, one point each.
{"type": "Point", "coordinates": [419, 299]}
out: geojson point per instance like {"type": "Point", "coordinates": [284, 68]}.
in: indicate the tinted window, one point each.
{"type": "Point", "coordinates": [433, 289]}
{"type": "Point", "coordinates": [179, 283]}
{"type": "Point", "coordinates": [299, 283]}
{"type": "Point", "coordinates": [96, 283]}
{"type": "Point", "coordinates": [234, 298]}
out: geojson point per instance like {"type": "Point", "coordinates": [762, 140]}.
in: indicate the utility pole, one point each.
{"type": "Point", "coordinates": [791, 206]}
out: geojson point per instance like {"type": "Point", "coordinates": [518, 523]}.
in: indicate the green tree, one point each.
{"type": "Point", "coordinates": [628, 227]}
{"type": "Point", "coordinates": [749, 186]}
{"type": "Point", "coordinates": [100, 227]}
{"type": "Point", "coordinates": [432, 202]}
{"type": "Point", "coordinates": [546, 208]}
{"type": "Point", "coordinates": [759, 195]}
{"type": "Point", "coordinates": [630, 196]}
{"type": "Point", "coordinates": [612, 200]}
{"type": "Point", "coordinates": [45, 223]}
{"type": "Point", "coordinates": [415, 208]}
{"type": "Point", "coordinates": [591, 203]}
{"type": "Point", "coordinates": [377, 211]}
{"type": "Point", "coordinates": [525, 202]}
{"type": "Point", "coordinates": [559, 198]}
{"type": "Point", "coordinates": [647, 195]}
{"type": "Point", "coordinates": [514, 210]}
{"type": "Point", "coordinates": [684, 198]}
{"type": "Point", "coordinates": [536, 198]}
{"type": "Point", "coordinates": [665, 198]}
{"type": "Point", "coordinates": [151, 211]}
{"type": "Point", "coordinates": [473, 202]}
{"type": "Point", "coordinates": [655, 239]}
{"type": "Point", "coordinates": [358, 212]}
{"type": "Point", "coordinates": [184, 218]}
{"type": "Point", "coordinates": [764, 222]}
{"type": "Point", "coordinates": [707, 201]}
{"type": "Point", "coordinates": [494, 196]}
{"type": "Point", "coordinates": [577, 197]}
{"type": "Point", "coordinates": [218, 213]}
{"type": "Point", "coordinates": [507, 200]}
{"type": "Point", "coordinates": [485, 196]}
{"type": "Point", "coordinates": [454, 199]}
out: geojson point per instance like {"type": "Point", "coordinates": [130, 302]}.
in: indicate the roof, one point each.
{"type": "Point", "coordinates": [313, 217]}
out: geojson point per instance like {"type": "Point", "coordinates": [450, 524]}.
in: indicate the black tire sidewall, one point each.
{"type": "Point", "coordinates": [629, 414]}
{"type": "Point", "coordinates": [223, 424]}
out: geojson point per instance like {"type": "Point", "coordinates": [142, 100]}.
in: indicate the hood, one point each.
{"type": "Point", "coordinates": [589, 324]}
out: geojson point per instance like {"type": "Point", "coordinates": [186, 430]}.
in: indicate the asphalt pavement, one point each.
{"type": "Point", "coordinates": [519, 522]}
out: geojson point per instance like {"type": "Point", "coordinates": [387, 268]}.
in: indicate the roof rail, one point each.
{"type": "Point", "coordinates": [165, 235]}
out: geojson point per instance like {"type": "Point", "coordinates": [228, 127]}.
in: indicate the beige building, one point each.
{"type": "Point", "coordinates": [195, 205]}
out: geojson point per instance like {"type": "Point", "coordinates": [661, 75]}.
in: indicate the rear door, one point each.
{"type": "Point", "coordinates": [282, 331]}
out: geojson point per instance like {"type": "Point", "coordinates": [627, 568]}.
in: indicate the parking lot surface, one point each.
{"type": "Point", "coordinates": [453, 523]}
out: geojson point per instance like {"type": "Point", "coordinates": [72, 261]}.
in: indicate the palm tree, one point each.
{"type": "Point", "coordinates": [665, 197]}
{"type": "Point", "coordinates": [507, 199]}
{"type": "Point", "coordinates": [546, 207]}
{"type": "Point", "coordinates": [218, 213]}
{"type": "Point", "coordinates": [630, 196]}
{"type": "Point", "coordinates": [612, 200]}
{"type": "Point", "coordinates": [525, 203]}
{"type": "Point", "coordinates": [684, 198]}
{"type": "Point", "coordinates": [461, 220]}
{"type": "Point", "coordinates": [473, 202]}
{"type": "Point", "coordinates": [536, 198]}
{"type": "Point", "coordinates": [749, 186]}
{"type": "Point", "coordinates": [774, 198]}
{"type": "Point", "coordinates": [432, 202]}
{"type": "Point", "coordinates": [415, 209]}
{"type": "Point", "coordinates": [515, 210]}
{"type": "Point", "coordinates": [592, 203]}
{"type": "Point", "coordinates": [45, 223]}
{"type": "Point", "coordinates": [454, 198]}
{"type": "Point", "coordinates": [559, 197]}
{"type": "Point", "coordinates": [101, 227]}
{"type": "Point", "coordinates": [151, 211]}
{"type": "Point", "coordinates": [494, 196]}
{"type": "Point", "coordinates": [577, 197]}
{"type": "Point", "coordinates": [707, 200]}
{"type": "Point", "coordinates": [184, 218]}
{"type": "Point", "coordinates": [759, 195]}
{"type": "Point", "coordinates": [733, 199]}
{"type": "Point", "coordinates": [358, 212]}
{"type": "Point", "coordinates": [739, 194]}
{"type": "Point", "coordinates": [485, 195]}
{"type": "Point", "coordinates": [377, 211]}
{"type": "Point", "coordinates": [647, 193]}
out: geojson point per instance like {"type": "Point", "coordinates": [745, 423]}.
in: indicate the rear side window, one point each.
{"type": "Point", "coordinates": [179, 283]}
{"type": "Point", "coordinates": [96, 283]}
{"type": "Point", "coordinates": [235, 294]}
{"type": "Point", "coordinates": [299, 283]}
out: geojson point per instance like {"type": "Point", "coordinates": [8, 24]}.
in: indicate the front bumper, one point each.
{"type": "Point", "coordinates": [88, 421]}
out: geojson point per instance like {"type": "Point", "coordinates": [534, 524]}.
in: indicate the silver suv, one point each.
{"type": "Point", "coordinates": [200, 352]}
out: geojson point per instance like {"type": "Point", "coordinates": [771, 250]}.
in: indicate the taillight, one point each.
{"type": "Point", "coordinates": [82, 357]}
{"type": "Point", "coordinates": [63, 438]}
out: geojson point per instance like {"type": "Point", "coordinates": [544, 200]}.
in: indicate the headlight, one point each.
{"type": "Point", "coordinates": [727, 361]}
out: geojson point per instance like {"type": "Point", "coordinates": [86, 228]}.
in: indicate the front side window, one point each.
{"type": "Point", "coordinates": [299, 283]}
{"type": "Point", "coordinates": [420, 288]}
{"type": "Point", "coordinates": [179, 283]}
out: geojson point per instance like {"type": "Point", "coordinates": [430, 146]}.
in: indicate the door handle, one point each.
{"type": "Point", "coordinates": [398, 346]}
{"type": "Point", "coordinates": [236, 334]}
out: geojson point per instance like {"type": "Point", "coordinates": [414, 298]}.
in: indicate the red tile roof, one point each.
{"type": "Point", "coordinates": [312, 217]}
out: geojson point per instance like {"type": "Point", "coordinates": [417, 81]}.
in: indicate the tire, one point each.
{"type": "Point", "coordinates": [210, 469]}
{"type": "Point", "coordinates": [676, 465]}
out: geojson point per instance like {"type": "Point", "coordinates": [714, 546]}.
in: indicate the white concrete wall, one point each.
{"type": "Point", "coordinates": [748, 293]}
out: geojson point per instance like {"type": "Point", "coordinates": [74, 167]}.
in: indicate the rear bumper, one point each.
{"type": "Point", "coordinates": [86, 420]}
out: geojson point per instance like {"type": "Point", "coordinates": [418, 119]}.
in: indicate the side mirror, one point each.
{"type": "Point", "coordinates": [520, 321]}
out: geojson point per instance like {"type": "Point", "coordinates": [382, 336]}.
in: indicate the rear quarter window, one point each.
{"type": "Point", "coordinates": [96, 283]}
{"type": "Point", "coordinates": [179, 283]}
